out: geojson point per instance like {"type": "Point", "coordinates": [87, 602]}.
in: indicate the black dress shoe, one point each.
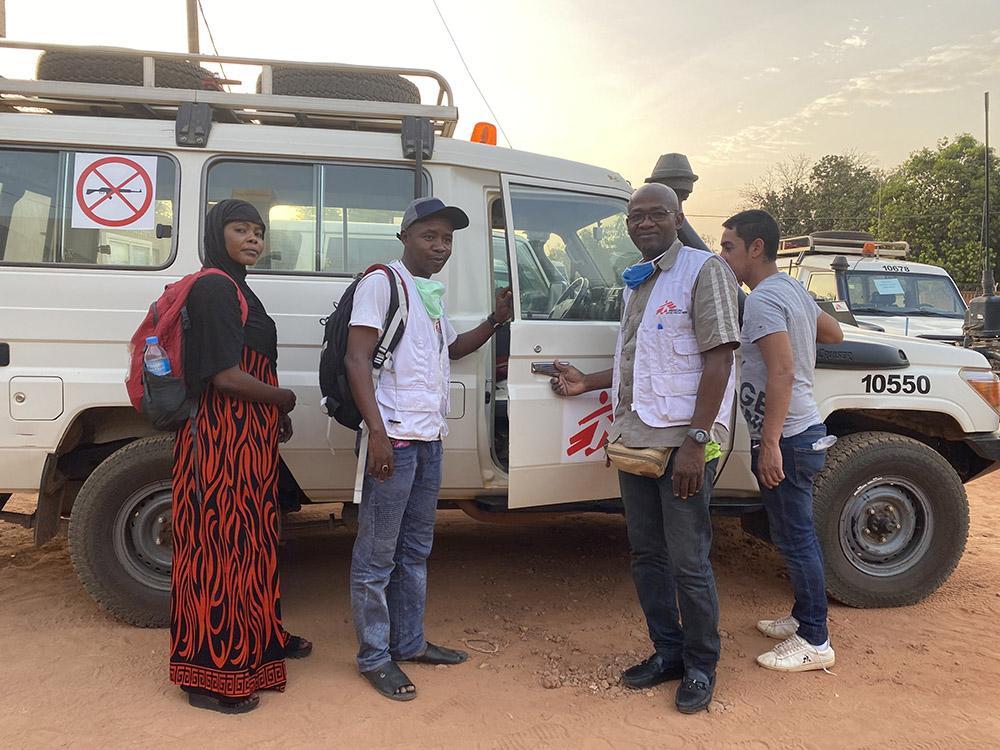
{"type": "Point", "coordinates": [651, 672]}
{"type": "Point", "coordinates": [694, 694]}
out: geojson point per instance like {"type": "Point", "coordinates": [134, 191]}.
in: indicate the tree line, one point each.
{"type": "Point", "coordinates": [934, 201]}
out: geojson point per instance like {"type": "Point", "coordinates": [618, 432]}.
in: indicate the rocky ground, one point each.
{"type": "Point", "coordinates": [550, 617]}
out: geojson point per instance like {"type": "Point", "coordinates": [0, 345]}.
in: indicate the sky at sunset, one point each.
{"type": "Point", "coordinates": [736, 85]}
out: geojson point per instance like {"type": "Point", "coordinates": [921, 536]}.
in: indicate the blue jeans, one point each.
{"type": "Point", "coordinates": [670, 540]}
{"type": "Point", "coordinates": [790, 518]}
{"type": "Point", "coordinates": [389, 563]}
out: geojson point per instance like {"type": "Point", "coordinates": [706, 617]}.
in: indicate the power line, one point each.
{"type": "Point", "coordinates": [467, 70]}
{"type": "Point", "coordinates": [211, 39]}
{"type": "Point", "coordinates": [939, 215]}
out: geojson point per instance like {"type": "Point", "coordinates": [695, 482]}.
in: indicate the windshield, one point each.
{"type": "Point", "coordinates": [882, 293]}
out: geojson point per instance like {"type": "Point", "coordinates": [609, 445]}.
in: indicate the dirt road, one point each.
{"type": "Point", "coordinates": [556, 601]}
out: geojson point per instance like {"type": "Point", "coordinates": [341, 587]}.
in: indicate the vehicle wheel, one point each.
{"type": "Point", "coordinates": [372, 87]}
{"type": "Point", "coordinates": [96, 67]}
{"type": "Point", "coordinates": [892, 518]}
{"type": "Point", "coordinates": [120, 533]}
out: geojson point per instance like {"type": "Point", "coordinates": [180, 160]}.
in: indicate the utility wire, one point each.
{"type": "Point", "coordinates": [933, 215]}
{"type": "Point", "coordinates": [467, 70]}
{"type": "Point", "coordinates": [211, 39]}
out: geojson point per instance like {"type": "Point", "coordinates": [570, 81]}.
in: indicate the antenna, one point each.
{"type": "Point", "coordinates": [988, 283]}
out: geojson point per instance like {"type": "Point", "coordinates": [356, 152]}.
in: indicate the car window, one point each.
{"type": "Point", "coordinates": [571, 248]}
{"type": "Point", "coordinates": [86, 208]}
{"type": "Point", "coordinates": [322, 218]}
{"type": "Point", "coordinates": [822, 286]}
{"type": "Point", "coordinates": [884, 293]}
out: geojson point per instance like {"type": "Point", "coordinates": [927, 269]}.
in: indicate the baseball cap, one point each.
{"type": "Point", "coordinates": [425, 208]}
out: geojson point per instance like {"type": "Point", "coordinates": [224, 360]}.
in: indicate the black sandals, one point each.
{"type": "Point", "coordinates": [389, 680]}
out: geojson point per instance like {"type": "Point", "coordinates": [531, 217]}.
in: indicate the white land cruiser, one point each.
{"type": "Point", "coordinates": [884, 290]}
{"type": "Point", "coordinates": [103, 187]}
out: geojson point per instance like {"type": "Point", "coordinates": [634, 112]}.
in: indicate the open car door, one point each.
{"type": "Point", "coordinates": [566, 247]}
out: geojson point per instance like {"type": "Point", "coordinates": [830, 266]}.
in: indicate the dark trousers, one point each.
{"type": "Point", "coordinates": [790, 517]}
{"type": "Point", "coordinates": [670, 540]}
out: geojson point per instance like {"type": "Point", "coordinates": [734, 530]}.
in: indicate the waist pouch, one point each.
{"type": "Point", "coordinates": [643, 462]}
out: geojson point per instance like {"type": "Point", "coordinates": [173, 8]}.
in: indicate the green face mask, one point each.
{"type": "Point", "coordinates": [431, 293]}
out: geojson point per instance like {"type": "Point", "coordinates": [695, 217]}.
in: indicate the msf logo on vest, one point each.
{"type": "Point", "coordinates": [670, 308]}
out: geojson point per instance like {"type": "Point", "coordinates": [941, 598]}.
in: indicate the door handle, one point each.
{"type": "Point", "coordinates": [545, 368]}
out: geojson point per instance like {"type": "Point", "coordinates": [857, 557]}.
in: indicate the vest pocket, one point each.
{"type": "Point", "coordinates": [408, 399]}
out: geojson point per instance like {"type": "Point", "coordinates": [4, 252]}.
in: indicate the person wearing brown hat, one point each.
{"type": "Point", "coordinates": [674, 171]}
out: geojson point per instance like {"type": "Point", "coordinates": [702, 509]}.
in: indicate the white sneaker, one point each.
{"type": "Point", "coordinates": [797, 655]}
{"type": "Point", "coordinates": [779, 629]}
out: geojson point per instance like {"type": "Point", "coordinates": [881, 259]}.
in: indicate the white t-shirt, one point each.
{"type": "Point", "coordinates": [413, 364]}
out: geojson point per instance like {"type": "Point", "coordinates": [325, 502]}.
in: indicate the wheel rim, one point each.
{"type": "Point", "coordinates": [886, 526]}
{"type": "Point", "coordinates": [142, 535]}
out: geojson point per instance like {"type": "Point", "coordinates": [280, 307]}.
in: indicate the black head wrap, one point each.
{"type": "Point", "coordinates": [222, 213]}
{"type": "Point", "coordinates": [217, 337]}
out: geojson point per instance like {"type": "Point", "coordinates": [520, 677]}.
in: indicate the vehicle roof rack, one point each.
{"type": "Point", "coordinates": [152, 102]}
{"type": "Point", "coordinates": [841, 243]}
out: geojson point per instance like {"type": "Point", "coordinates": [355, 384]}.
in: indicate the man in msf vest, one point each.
{"type": "Point", "coordinates": [781, 325]}
{"type": "Point", "coordinates": [672, 387]}
{"type": "Point", "coordinates": [404, 414]}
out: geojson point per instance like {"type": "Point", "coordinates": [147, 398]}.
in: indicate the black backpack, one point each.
{"type": "Point", "coordinates": [337, 398]}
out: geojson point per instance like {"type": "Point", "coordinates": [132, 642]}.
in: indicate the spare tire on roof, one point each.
{"type": "Point", "coordinates": [123, 70]}
{"type": "Point", "coordinates": [373, 87]}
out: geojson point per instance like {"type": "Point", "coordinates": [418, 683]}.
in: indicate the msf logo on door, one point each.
{"type": "Point", "coordinates": [584, 436]}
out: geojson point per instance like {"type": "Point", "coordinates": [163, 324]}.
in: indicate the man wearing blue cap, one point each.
{"type": "Point", "coordinates": [404, 414]}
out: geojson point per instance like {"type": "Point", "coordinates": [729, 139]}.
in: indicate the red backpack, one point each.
{"type": "Point", "coordinates": [164, 399]}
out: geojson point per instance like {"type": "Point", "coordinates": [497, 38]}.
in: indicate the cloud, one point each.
{"type": "Point", "coordinates": [856, 40]}
{"type": "Point", "coordinates": [944, 68]}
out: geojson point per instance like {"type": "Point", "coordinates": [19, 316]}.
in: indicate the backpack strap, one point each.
{"type": "Point", "coordinates": [392, 332]}
{"type": "Point", "coordinates": [395, 322]}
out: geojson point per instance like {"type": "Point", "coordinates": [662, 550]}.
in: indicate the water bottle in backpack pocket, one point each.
{"type": "Point", "coordinates": [154, 359]}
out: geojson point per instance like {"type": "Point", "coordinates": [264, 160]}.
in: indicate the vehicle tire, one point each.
{"type": "Point", "coordinates": [373, 87]}
{"type": "Point", "coordinates": [892, 518]}
{"type": "Point", "coordinates": [97, 67]}
{"type": "Point", "coordinates": [119, 532]}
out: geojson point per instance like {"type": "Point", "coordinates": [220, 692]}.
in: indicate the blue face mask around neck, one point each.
{"type": "Point", "coordinates": [637, 273]}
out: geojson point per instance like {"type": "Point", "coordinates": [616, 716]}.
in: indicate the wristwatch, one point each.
{"type": "Point", "coordinates": [698, 435]}
{"type": "Point", "coordinates": [492, 320]}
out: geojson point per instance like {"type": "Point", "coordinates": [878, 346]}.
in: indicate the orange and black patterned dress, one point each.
{"type": "Point", "coordinates": [225, 609]}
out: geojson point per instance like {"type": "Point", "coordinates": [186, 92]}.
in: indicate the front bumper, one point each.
{"type": "Point", "coordinates": [986, 445]}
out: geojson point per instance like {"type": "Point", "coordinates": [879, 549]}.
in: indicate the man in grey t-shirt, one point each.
{"type": "Point", "coordinates": [781, 325]}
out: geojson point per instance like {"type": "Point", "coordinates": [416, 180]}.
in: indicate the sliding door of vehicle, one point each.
{"type": "Point", "coordinates": [567, 246]}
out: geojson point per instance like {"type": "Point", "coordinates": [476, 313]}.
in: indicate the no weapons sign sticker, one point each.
{"type": "Point", "coordinates": [114, 191]}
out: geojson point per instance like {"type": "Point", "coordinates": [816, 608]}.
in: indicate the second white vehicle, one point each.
{"type": "Point", "coordinates": [884, 290]}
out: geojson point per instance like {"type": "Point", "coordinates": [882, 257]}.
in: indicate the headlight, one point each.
{"type": "Point", "coordinates": [986, 384]}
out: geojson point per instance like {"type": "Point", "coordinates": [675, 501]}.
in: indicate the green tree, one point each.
{"type": "Point", "coordinates": [844, 189]}
{"type": "Point", "coordinates": [934, 201]}
{"type": "Point", "coordinates": [840, 191]}
{"type": "Point", "coordinates": [784, 192]}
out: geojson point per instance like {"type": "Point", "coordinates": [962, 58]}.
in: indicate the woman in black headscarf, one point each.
{"type": "Point", "coordinates": [227, 639]}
